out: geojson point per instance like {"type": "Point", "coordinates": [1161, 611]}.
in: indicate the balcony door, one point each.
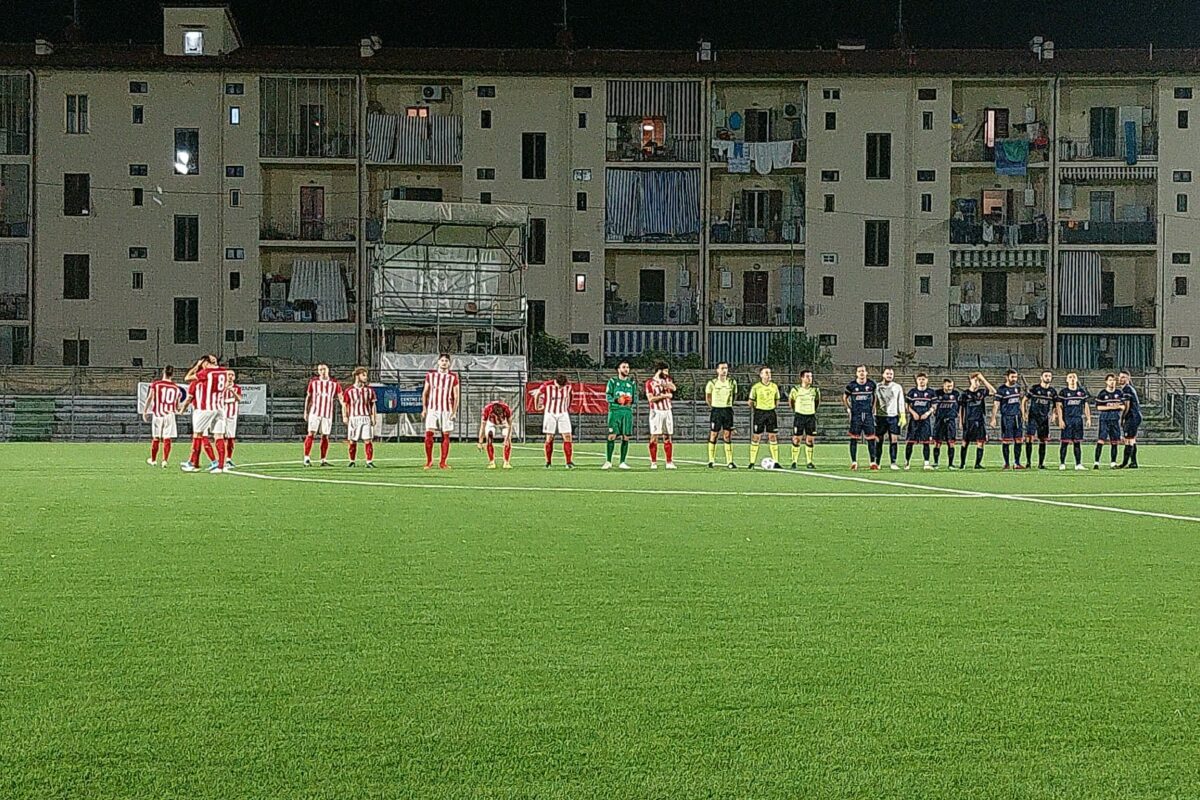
{"type": "Point", "coordinates": [652, 296]}
{"type": "Point", "coordinates": [312, 212]}
{"type": "Point", "coordinates": [1101, 206]}
{"type": "Point", "coordinates": [1103, 131]}
{"type": "Point", "coordinates": [995, 298]}
{"type": "Point", "coordinates": [754, 298]}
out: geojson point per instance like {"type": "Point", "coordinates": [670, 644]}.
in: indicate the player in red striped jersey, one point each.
{"type": "Point", "coordinates": [439, 405]}
{"type": "Point", "coordinates": [229, 417]}
{"type": "Point", "coordinates": [210, 382]}
{"type": "Point", "coordinates": [323, 393]}
{"type": "Point", "coordinates": [358, 412]}
{"type": "Point", "coordinates": [163, 401]}
{"type": "Point", "coordinates": [555, 397]}
{"type": "Point", "coordinates": [497, 415]}
{"type": "Point", "coordinates": [659, 390]}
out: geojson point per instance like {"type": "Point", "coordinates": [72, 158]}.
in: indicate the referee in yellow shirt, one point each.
{"type": "Point", "coordinates": [719, 394]}
{"type": "Point", "coordinates": [764, 396]}
{"type": "Point", "coordinates": [804, 399]}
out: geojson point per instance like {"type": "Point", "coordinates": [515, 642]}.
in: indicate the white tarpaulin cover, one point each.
{"type": "Point", "coordinates": [254, 398]}
{"type": "Point", "coordinates": [428, 279]}
{"type": "Point", "coordinates": [462, 213]}
{"type": "Point", "coordinates": [394, 364]}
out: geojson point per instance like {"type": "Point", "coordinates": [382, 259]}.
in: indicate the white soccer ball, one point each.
{"type": "Point", "coordinates": [768, 463]}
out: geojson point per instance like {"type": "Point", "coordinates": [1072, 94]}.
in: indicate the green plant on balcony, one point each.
{"type": "Point", "coordinates": [796, 350]}
{"type": "Point", "coordinates": [549, 352]}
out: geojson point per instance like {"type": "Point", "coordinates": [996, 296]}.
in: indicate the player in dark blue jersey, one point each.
{"type": "Point", "coordinates": [1131, 422]}
{"type": "Point", "coordinates": [945, 421]}
{"type": "Point", "coordinates": [859, 400]}
{"type": "Point", "coordinates": [920, 423]}
{"type": "Point", "coordinates": [1073, 416]}
{"type": "Point", "coordinates": [974, 422]}
{"type": "Point", "coordinates": [1040, 403]}
{"type": "Point", "coordinates": [1010, 397]}
{"type": "Point", "coordinates": [1111, 404]}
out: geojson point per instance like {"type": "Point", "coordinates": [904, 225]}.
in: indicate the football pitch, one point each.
{"type": "Point", "coordinates": [333, 633]}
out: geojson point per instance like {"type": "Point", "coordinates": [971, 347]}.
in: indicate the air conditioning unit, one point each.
{"type": "Point", "coordinates": [791, 111]}
{"type": "Point", "coordinates": [432, 92]}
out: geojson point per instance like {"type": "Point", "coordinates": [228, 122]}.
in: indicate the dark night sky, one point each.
{"type": "Point", "coordinates": [644, 23]}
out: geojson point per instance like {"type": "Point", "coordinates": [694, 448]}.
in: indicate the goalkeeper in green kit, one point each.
{"type": "Point", "coordinates": [621, 394]}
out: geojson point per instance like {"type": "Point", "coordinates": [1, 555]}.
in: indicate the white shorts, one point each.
{"type": "Point", "coordinates": [228, 427]}
{"type": "Point", "coordinates": [556, 423]}
{"type": "Point", "coordinates": [358, 429]}
{"type": "Point", "coordinates": [439, 421]}
{"type": "Point", "coordinates": [490, 428]}
{"type": "Point", "coordinates": [205, 423]}
{"type": "Point", "coordinates": [319, 424]}
{"type": "Point", "coordinates": [662, 422]}
{"type": "Point", "coordinates": [163, 427]}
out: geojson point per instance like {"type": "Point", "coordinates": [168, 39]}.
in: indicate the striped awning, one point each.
{"type": "Point", "coordinates": [1115, 172]}
{"type": "Point", "coordinates": [633, 342]}
{"type": "Point", "coordinates": [998, 259]}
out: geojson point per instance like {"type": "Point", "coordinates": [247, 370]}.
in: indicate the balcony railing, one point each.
{"type": "Point", "coordinates": [791, 232]}
{"type": "Point", "coordinates": [313, 145]}
{"type": "Point", "coordinates": [722, 151]}
{"type": "Point", "coordinates": [965, 231]}
{"type": "Point", "coordinates": [674, 148]}
{"type": "Point", "coordinates": [755, 315]}
{"type": "Point", "coordinates": [1087, 232]}
{"type": "Point", "coordinates": [620, 312]}
{"type": "Point", "coordinates": [1000, 315]}
{"type": "Point", "coordinates": [295, 228]}
{"type": "Point", "coordinates": [14, 307]}
{"type": "Point", "coordinates": [1139, 316]}
{"type": "Point", "coordinates": [976, 150]}
{"type": "Point", "coordinates": [1107, 148]}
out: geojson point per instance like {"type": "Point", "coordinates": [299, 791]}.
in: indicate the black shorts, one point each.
{"type": "Point", "coordinates": [1130, 425]}
{"type": "Point", "coordinates": [804, 425]}
{"type": "Point", "coordinates": [1110, 431]}
{"type": "Point", "coordinates": [1072, 431]}
{"type": "Point", "coordinates": [920, 430]}
{"type": "Point", "coordinates": [945, 431]}
{"type": "Point", "coordinates": [975, 433]}
{"type": "Point", "coordinates": [1010, 428]}
{"type": "Point", "coordinates": [720, 419]}
{"type": "Point", "coordinates": [1038, 427]}
{"type": "Point", "coordinates": [887, 426]}
{"type": "Point", "coordinates": [764, 422]}
{"type": "Point", "coordinates": [862, 425]}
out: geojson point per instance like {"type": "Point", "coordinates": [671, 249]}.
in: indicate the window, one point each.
{"type": "Point", "coordinates": [235, 171]}
{"type": "Point", "coordinates": [187, 320]}
{"type": "Point", "coordinates": [485, 118]}
{"type": "Point", "coordinates": [829, 259]}
{"type": "Point", "coordinates": [485, 198]}
{"type": "Point", "coordinates": [76, 352]}
{"type": "Point", "coordinates": [926, 120]}
{"type": "Point", "coordinates": [827, 339]}
{"type": "Point", "coordinates": [138, 196]}
{"type": "Point", "coordinates": [581, 201]}
{"type": "Point", "coordinates": [827, 286]}
{"type": "Point", "coordinates": [138, 87]}
{"type": "Point", "coordinates": [486, 91]}
{"type": "Point", "coordinates": [582, 119]}
{"type": "Point", "coordinates": [187, 151]}
{"type": "Point", "coordinates": [235, 198]}
{"type": "Point", "coordinates": [926, 175]}
{"type": "Point", "coordinates": [77, 113]}
{"type": "Point", "coordinates": [582, 174]}
{"type": "Point", "coordinates": [831, 94]}
{"type": "Point", "coordinates": [927, 94]}
{"type": "Point", "coordinates": [923, 283]}
{"type": "Point", "coordinates": [77, 194]}
{"type": "Point", "coordinates": [485, 174]}
{"type": "Point", "coordinates": [580, 338]}
{"type": "Point", "coordinates": [235, 281]}
{"type": "Point", "coordinates": [235, 253]}
{"type": "Point", "coordinates": [137, 334]}
{"type": "Point", "coordinates": [536, 246]}
{"type": "Point", "coordinates": [876, 242]}
{"type": "Point", "coordinates": [1181, 341]}
{"type": "Point", "coordinates": [193, 43]}
{"type": "Point", "coordinates": [77, 277]}
{"type": "Point", "coordinates": [583, 92]}
{"type": "Point", "coordinates": [580, 282]}
{"type": "Point", "coordinates": [1180, 286]}
{"type": "Point", "coordinates": [879, 156]}
{"type": "Point", "coordinates": [138, 252]}
{"type": "Point", "coordinates": [235, 115]}
{"type": "Point", "coordinates": [924, 258]}
{"type": "Point", "coordinates": [831, 120]}
{"type": "Point", "coordinates": [420, 112]}
{"type": "Point", "coordinates": [537, 316]}
{"type": "Point", "coordinates": [830, 203]}
{"type": "Point", "coordinates": [533, 156]}
{"type": "Point", "coordinates": [926, 203]}
{"type": "Point", "coordinates": [138, 115]}
{"type": "Point", "coordinates": [875, 326]}
{"type": "Point", "coordinates": [1181, 258]}
{"type": "Point", "coordinates": [1181, 118]}
{"type": "Point", "coordinates": [235, 335]}
{"type": "Point", "coordinates": [187, 238]}
{"type": "Point", "coordinates": [139, 170]}
{"type": "Point", "coordinates": [235, 88]}
{"type": "Point", "coordinates": [830, 176]}
{"type": "Point", "coordinates": [581, 256]}
{"type": "Point", "coordinates": [1182, 176]}
{"type": "Point", "coordinates": [1181, 203]}
{"type": "Point", "coordinates": [922, 341]}
{"type": "Point", "coordinates": [137, 281]}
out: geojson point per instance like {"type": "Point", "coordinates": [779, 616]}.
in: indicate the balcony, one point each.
{"type": "Point", "coordinates": [1136, 316]}
{"type": "Point", "coordinates": [316, 291]}
{"type": "Point", "coordinates": [773, 233]}
{"type": "Point", "coordinates": [755, 315]}
{"type": "Point", "coordinates": [974, 150]}
{"type": "Point", "coordinates": [1090, 233]}
{"type": "Point", "coordinates": [621, 312]}
{"type": "Point", "coordinates": [14, 115]}
{"type": "Point", "coordinates": [1031, 314]}
{"type": "Point", "coordinates": [671, 148]}
{"type": "Point", "coordinates": [294, 228]}
{"type": "Point", "coordinates": [972, 232]}
{"type": "Point", "coordinates": [14, 307]}
{"type": "Point", "coordinates": [1110, 148]}
{"type": "Point", "coordinates": [434, 140]}
{"type": "Point", "coordinates": [759, 157]}
{"type": "Point", "coordinates": [313, 118]}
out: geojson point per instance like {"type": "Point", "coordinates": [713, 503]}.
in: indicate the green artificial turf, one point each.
{"type": "Point", "coordinates": [165, 635]}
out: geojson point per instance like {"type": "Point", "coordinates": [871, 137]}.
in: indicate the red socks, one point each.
{"type": "Point", "coordinates": [208, 450]}
{"type": "Point", "coordinates": [550, 451]}
{"type": "Point", "coordinates": [229, 448]}
{"type": "Point", "coordinates": [353, 450]}
{"type": "Point", "coordinates": [195, 459]}
{"type": "Point", "coordinates": [567, 448]}
{"type": "Point", "coordinates": [507, 451]}
{"type": "Point", "coordinates": [654, 452]}
{"type": "Point", "coordinates": [491, 451]}
{"type": "Point", "coordinates": [324, 446]}
{"type": "Point", "coordinates": [166, 449]}
{"type": "Point", "coordinates": [428, 448]}
{"type": "Point", "coordinates": [220, 454]}
{"type": "Point", "coordinates": [445, 448]}
{"type": "Point", "coordinates": [370, 448]}
{"type": "Point", "coordinates": [667, 449]}
{"type": "Point", "coordinates": [308, 440]}
{"type": "Point", "coordinates": [154, 450]}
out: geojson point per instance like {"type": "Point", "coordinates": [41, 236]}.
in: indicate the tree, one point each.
{"type": "Point", "coordinates": [797, 350]}
{"type": "Point", "coordinates": [548, 352]}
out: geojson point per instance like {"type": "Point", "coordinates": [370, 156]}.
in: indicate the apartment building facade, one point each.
{"type": "Point", "coordinates": [963, 208]}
